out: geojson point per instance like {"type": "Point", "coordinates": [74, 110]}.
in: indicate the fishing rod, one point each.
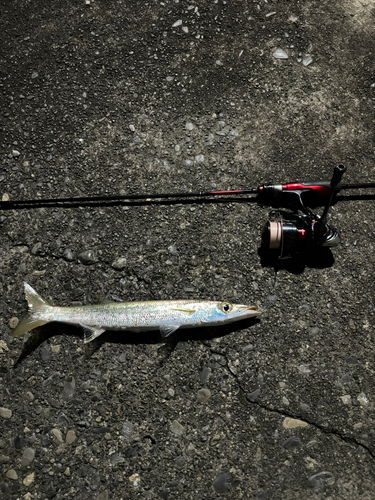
{"type": "Point", "coordinates": [267, 194]}
{"type": "Point", "coordinates": [291, 234]}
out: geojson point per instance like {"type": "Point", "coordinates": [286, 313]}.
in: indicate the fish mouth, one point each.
{"type": "Point", "coordinates": [249, 311]}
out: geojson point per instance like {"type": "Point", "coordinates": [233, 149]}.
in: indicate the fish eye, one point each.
{"type": "Point", "coordinates": [226, 307]}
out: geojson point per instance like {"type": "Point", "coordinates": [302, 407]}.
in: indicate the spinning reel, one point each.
{"type": "Point", "coordinates": [294, 233]}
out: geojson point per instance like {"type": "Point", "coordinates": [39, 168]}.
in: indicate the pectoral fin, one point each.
{"type": "Point", "coordinates": [167, 330]}
{"type": "Point", "coordinates": [91, 333]}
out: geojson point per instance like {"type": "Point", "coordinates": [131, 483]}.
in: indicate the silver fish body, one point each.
{"type": "Point", "coordinates": [164, 315]}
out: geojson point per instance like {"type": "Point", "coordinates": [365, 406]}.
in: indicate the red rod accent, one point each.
{"type": "Point", "coordinates": [295, 186]}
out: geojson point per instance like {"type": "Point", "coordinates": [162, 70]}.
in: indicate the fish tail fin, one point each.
{"type": "Point", "coordinates": [33, 318]}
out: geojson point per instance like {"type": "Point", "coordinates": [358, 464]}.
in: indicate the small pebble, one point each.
{"type": "Point", "coordinates": [362, 399]}
{"type": "Point", "coordinates": [204, 395]}
{"type": "Point", "coordinates": [18, 442]}
{"type": "Point", "coordinates": [317, 480]}
{"type": "Point", "coordinates": [13, 322]}
{"type": "Point", "coordinates": [12, 474]}
{"type": "Point", "coordinates": [127, 431]}
{"type": "Point", "coordinates": [58, 435]}
{"type": "Point", "coordinates": [69, 388]}
{"type": "Point", "coordinates": [253, 396]}
{"type": "Point", "coordinates": [280, 54]}
{"type": "Point", "coordinates": [70, 437]}
{"type": "Point", "coordinates": [119, 264]}
{"type": "Point", "coordinates": [349, 359]}
{"type": "Point", "coordinates": [51, 378]}
{"type": "Point", "coordinates": [304, 369]}
{"type": "Point", "coordinates": [5, 413]}
{"type": "Point", "coordinates": [220, 483]}
{"type": "Point", "coordinates": [135, 480]}
{"type": "Point", "coordinates": [293, 443]}
{"type": "Point", "coordinates": [204, 375]}
{"type": "Point", "coordinates": [30, 396]}
{"type": "Point", "coordinates": [29, 479]}
{"type": "Point", "coordinates": [5, 197]}
{"type": "Point", "coordinates": [45, 354]}
{"type": "Point", "coordinates": [199, 158]}
{"type": "Point", "coordinates": [177, 23]}
{"type": "Point", "coordinates": [28, 455]}
{"type": "Point", "coordinates": [68, 255]}
{"type": "Point", "coordinates": [15, 153]}
{"type": "Point", "coordinates": [347, 379]}
{"type": "Point", "coordinates": [292, 423]}
{"type": "Point", "coordinates": [181, 460]}
{"type": "Point", "coordinates": [36, 248]}
{"type": "Point", "coordinates": [305, 408]}
{"type": "Point", "coordinates": [131, 452]}
{"type": "Point", "coordinates": [307, 60]}
{"type": "Point", "coordinates": [122, 358]}
{"type": "Point", "coordinates": [87, 257]}
{"type": "Point", "coordinates": [261, 494]}
{"type": "Point", "coordinates": [116, 458]}
{"type": "Point", "coordinates": [346, 399]}
{"type": "Point", "coordinates": [176, 428]}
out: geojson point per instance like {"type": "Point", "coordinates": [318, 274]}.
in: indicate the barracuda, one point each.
{"type": "Point", "coordinates": [163, 315]}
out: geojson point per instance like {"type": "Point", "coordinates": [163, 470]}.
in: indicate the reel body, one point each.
{"type": "Point", "coordinates": [286, 238]}
{"type": "Point", "coordinates": [295, 233]}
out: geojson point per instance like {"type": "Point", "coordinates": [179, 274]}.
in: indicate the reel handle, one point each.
{"type": "Point", "coordinates": [338, 172]}
{"type": "Point", "coordinates": [320, 226]}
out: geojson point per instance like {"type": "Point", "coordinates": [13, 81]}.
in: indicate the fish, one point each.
{"type": "Point", "coordinates": [167, 316]}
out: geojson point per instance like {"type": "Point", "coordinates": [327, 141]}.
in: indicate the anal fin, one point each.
{"type": "Point", "coordinates": [91, 333]}
{"type": "Point", "coordinates": [167, 330]}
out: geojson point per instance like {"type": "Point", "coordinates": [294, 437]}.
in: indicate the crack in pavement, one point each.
{"type": "Point", "coordinates": [329, 431]}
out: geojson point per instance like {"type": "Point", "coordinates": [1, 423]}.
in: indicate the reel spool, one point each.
{"type": "Point", "coordinates": [286, 238]}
